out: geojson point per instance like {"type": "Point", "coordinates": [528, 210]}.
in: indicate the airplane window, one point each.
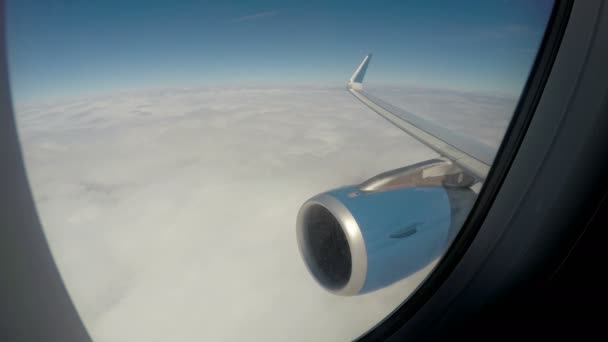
{"type": "Point", "coordinates": [264, 170]}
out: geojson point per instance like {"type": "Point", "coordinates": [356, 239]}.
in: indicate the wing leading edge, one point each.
{"type": "Point", "coordinates": [471, 156]}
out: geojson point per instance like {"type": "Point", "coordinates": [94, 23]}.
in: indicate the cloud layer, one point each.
{"type": "Point", "coordinates": [171, 213]}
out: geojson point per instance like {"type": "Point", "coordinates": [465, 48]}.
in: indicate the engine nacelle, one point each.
{"type": "Point", "coordinates": [357, 239]}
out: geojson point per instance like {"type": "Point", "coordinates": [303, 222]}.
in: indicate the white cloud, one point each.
{"type": "Point", "coordinates": [171, 213]}
{"type": "Point", "coordinates": [256, 16]}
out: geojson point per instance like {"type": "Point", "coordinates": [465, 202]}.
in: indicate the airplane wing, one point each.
{"type": "Point", "coordinates": [471, 156]}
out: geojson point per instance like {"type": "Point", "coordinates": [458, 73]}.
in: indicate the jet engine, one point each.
{"type": "Point", "coordinates": [360, 238]}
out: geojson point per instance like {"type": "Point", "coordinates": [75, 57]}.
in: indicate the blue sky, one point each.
{"type": "Point", "coordinates": [67, 47]}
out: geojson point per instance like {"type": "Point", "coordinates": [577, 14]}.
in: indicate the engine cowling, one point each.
{"type": "Point", "coordinates": [354, 241]}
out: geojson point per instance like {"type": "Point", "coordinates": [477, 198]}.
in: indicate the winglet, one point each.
{"type": "Point", "coordinates": [356, 81]}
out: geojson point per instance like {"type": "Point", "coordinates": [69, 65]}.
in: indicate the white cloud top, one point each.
{"type": "Point", "coordinates": [171, 213]}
